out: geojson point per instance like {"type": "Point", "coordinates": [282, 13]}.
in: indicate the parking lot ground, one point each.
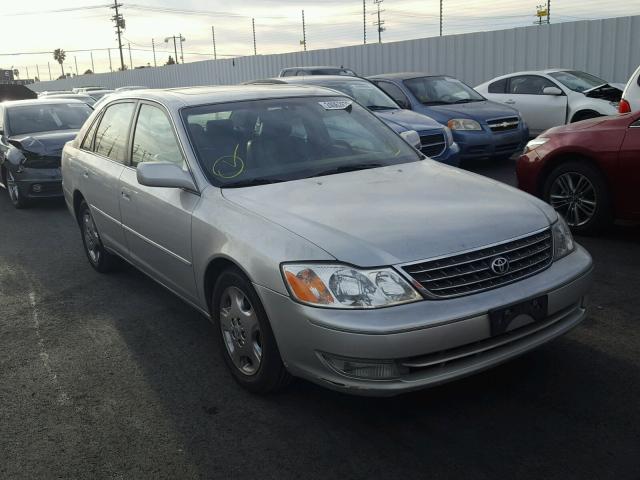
{"type": "Point", "coordinates": [114, 377]}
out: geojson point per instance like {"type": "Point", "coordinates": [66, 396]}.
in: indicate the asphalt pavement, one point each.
{"type": "Point", "coordinates": [111, 376]}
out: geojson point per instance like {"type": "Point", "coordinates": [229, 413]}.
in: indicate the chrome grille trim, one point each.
{"type": "Point", "coordinates": [469, 272]}
{"type": "Point", "coordinates": [432, 144]}
{"type": "Point", "coordinates": [503, 124]}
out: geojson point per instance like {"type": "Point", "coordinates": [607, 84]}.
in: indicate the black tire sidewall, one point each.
{"type": "Point", "coordinates": [106, 261]}
{"type": "Point", "coordinates": [602, 217]}
{"type": "Point", "coordinates": [271, 371]}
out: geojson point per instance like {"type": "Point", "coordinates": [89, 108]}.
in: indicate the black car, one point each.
{"type": "Point", "coordinates": [32, 135]}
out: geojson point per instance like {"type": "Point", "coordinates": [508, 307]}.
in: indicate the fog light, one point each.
{"type": "Point", "coordinates": [369, 369]}
{"type": "Point", "coordinates": [37, 188]}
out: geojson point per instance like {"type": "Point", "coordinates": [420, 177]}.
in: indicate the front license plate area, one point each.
{"type": "Point", "coordinates": [509, 318]}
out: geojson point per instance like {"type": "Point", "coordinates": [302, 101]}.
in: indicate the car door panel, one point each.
{"type": "Point", "coordinates": [157, 227]}
{"type": "Point", "coordinates": [156, 220]}
{"type": "Point", "coordinates": [540, 111]}
{"type": "Point", "coordinates": [627, 198]}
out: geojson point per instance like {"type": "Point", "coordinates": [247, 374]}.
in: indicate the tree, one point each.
{"type": "Point", "coordinates": [88, 72]}
{"type": "Point", "coordinates": [59, 56]}
{"type": "Point", "coordinates": [170, 61]}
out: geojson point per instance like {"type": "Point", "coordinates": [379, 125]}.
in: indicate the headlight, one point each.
{"type": "Point", "coordinates": [535, 143]}
{"type": "Point", "coordinates": [342, 286]}
{"type": "Point", "coordinates": [448, 135]}
{"type": "Point", "coordinates": [463, 124]}
{"type": "Point", "coordinates": [563, 243]}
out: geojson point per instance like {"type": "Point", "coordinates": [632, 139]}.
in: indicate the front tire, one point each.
{"type": "Point", "coordinates": [247, 342]}
{"type": "Point", "coordinates": [579, 193]}
{"type": "Point", "coordinates": [15, 196]}
{"type": "Point", "coordinates": [99, 258]}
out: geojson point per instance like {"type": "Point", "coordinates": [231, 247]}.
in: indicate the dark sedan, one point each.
{"type": "Point", "coordinates": [32, 135]}
{"type": "Point", "coordinates": [588, 171]}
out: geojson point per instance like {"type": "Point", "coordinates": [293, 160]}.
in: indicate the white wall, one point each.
{"type": "Point", "coordinates": [602, 47]}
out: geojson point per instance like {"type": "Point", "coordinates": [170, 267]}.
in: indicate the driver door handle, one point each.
{"type": "Point", "coordinates": [85, 174]}
{"type": "Point", "coordinates": [510, 102]}
{"type": "Point", "coordinates": [125, 195]}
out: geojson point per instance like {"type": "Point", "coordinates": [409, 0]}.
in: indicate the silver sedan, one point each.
{"type": "Point", "coordinates": [320, 244]}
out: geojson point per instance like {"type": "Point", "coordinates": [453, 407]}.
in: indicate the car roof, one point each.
{"type": "Point", "coordinates": [402, 76]}
{"type": "Point", "coordinates": [533, 72]}
{"type": "Point", "coordinates": [313, 67]}
{"type": "Point", "coordinates": [318, 79]}
{"type": "Point", "coordinates": [40, 101]}
{"type": "Point", "coordinates": [191, 96]}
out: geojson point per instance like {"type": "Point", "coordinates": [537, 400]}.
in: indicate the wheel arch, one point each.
{"type": "Point", "coordinates": [214, 269]}
{"type": "Point", "coordinates": [77, 200]}
{"type": "Point", "coordinates": [589, 112]}
{"type": "Point", "coordinates": [564, 157]}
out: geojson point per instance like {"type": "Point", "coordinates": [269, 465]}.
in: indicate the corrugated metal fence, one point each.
{"type": "Point", "coordinates": [602, 47]}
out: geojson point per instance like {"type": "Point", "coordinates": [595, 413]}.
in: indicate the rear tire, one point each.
{"type": "Point", "coordinates": [247, 343]}
{"type": "Point", "coordinates": [99, 258]}
{"type": "Point", "coordinates": [580, 194]}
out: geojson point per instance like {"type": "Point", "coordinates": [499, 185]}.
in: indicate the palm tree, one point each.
{"type": "Point", "coordinates": [59, 56]}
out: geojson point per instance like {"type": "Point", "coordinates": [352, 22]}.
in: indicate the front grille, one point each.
{"type": "Point", "coordinates": [504, 124]}
{"type": "Point", "coordinates": [507, 148]}
{"type": "Point", "coordinates": [432, 145]}
{"type": "Point", "coordinates": [471, 272]}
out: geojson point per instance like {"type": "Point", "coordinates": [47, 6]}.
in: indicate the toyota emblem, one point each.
{"type": "Point", "coordinates": [499, 265]}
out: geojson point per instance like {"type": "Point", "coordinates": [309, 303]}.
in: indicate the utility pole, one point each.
{"type": "Point", "coordinates": [110, 65]}
{"type": "Point", "coordinates": [38, 72]}
{"type": "Point", "coordinates": [153, 47]}
{"type": "Point", "coordinates": [542, 11]}
{"type": "Point", "coordinates": [130, 60]}
{"type": "Point", "coordinates": [441, 17]}
{"type": "Point", "coordinates": [253, 24]}
{"type": "Point", "coordinates": [364, 17]}
{"type": "Point", "coordinates": [548, 11]}
{"type": "Point", "coordinates": [182, 40]}
{"type": "Point", "coordinates": [120, 25]}
{"type": "Point", "coordinates": [93, 68]}
{"type": "Point", "coordinates": [75, 60]}
{"type": "Point", "coordinates": [27, 72]}
{"type": "Point", "coordinates": [175, 48]}
{"type": "Point", "coordinates": [380, 22]}
{"type": "Point", "coordinates": [213, 36]}
{"type": "Point", "coordinates": [49, 66]}
{"type": "Point", "coordinates": [304, 33]}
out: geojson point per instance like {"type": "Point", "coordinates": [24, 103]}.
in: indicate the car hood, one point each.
{"type": "Point", "coordinates": [482, 111]}
{"type": "Point", "coordinates": [403, 120]}
{"type": "Point", "coordinates": [397, 214]}
{"type": "Point", "coordinates": [582, 125]}
{"type": "Point", "coordinates": [45, 143]}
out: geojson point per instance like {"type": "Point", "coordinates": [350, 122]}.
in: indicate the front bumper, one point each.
{"type": "Point", "coordinates": [451, 155]}
{"type": "Point", "coordinates": [485, 143]}
{"type": "Point", "coordinates": [441, 340]}
{"type": "Point", "coordinates": [39, 182]}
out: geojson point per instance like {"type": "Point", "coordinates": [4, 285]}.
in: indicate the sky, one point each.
{"type": "Point", "coordinates": [78, 25]}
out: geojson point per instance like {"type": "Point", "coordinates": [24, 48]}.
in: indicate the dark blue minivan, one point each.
{"type": "Point", "coordinates": [436, 140]}
{"type": "Point", "coordinates": [480, 127]}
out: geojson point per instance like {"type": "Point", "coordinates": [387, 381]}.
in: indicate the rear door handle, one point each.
{"type": "Point", "coordinates": [125, 195]}
{"type": "Point", "coordinates": [510, 102]}
{"type": "Point", "coordinates": [85, 174]}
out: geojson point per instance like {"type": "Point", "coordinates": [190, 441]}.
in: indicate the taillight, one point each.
{"type": "Point", "coordinates": [624, 106]}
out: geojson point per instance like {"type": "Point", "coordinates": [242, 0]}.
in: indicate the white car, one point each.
{"type": "Point", "coordinates": [549, 98]}
{"type": "Point", "coordinates": [631, 97]}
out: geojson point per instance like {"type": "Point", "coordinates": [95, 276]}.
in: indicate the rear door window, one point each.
{"type": "Point", "coordinates": [529, 85]}
{"type": "Point", "coordinates": [113, 132]}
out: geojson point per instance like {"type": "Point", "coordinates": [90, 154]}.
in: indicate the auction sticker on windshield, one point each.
{"type": "Point", "coordinates": [336, 104]}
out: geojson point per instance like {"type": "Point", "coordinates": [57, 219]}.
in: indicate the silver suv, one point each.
{"type": "Point", "coordinates": [318, 242]}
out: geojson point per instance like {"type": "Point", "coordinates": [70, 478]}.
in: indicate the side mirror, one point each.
{"type": "Point", "coordinates": [412, 138]}
{"type": "Point", "coordinates": [404, 104]}
{"type": "Point", "coordinates": [555, 91]}
{"type": "Point", "coordinates": [164, 174]}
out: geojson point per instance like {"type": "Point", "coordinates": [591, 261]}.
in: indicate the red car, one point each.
{"type": "Point", "coordinates": [588, 171]}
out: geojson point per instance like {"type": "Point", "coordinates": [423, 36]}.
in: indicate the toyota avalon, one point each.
{"type": "Point", "coordinates": [320, 244]}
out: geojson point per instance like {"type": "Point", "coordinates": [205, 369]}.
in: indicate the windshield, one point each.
{"type": "Point", "coordinates": [442, 91]}
{"type": "Point", "coordinates": [578, 81]}
{"type": "Point", "coordinates": [365, 94]}
{"type": "Point", "coordinates": [267, 141]}
{"type": "Point", "coordinates": [46, 117]}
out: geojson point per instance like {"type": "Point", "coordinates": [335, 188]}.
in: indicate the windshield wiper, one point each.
{"type": "Point", "coordinates": [345, 169]}
{"type": "Point", "coordinates": [381, 107]}
{"type": "Point", "coordinates": [467, 100]}
{"type": "Point", "coordinates": [254, 182]}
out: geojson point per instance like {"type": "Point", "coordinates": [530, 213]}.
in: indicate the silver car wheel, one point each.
{"type": "Point", "coordinates": [12, 188]}
{"type": "Point", "coordinates": [574, 196]}
{"type": "Point", "coordinates": [91, 238]}
{"type": "Point", "coordinates": [240, 330]}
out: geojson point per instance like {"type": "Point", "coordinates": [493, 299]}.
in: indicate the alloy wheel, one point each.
{"type": "Point", "coordinates": [12, 188]}
{"type": "Point", "coordinates": [91, 238]}
{"type": "Point", "coordinates": [574, 196]}
{"type": "Point", "coordinates": [240, 330]}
